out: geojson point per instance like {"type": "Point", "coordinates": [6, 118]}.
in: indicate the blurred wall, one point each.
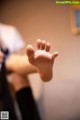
{"type": "Point", "coordinates": [46, 20]}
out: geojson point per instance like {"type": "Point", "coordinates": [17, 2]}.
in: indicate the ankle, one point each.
{"type": "Point", "coordinates": [46, 75]}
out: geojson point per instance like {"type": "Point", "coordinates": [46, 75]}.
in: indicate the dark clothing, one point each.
{"type": "Point", "coordinates": [24, 98]}
{"type": "Point", "coordinates": [6, 102]}
{"type": "Point", "coordinates": [27, 104]}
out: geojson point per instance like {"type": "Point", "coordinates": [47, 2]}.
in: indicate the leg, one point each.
{"type": "Point", "coordinates": [24, 98]}
{"type": "Point", "coordinates": [40, 61]}
{"type": "Point", "coordinates": [27, 104]}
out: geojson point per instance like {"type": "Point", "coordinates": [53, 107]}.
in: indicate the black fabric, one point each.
{"type": "Point", "coordinates": [5, 95]}
{"type": "Point", "coordinates": [6, 102]}
{"type": "Point", "coordinates": [27, 104]}
{"type": "Point", "coordinates": [6, 53]}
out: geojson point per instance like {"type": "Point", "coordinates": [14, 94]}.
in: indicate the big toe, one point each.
{"type": "Point", "coordinates": [30, 51]}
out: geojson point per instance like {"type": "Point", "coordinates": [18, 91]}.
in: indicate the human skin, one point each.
{"type": "Point", "coordinates": [40, 61]}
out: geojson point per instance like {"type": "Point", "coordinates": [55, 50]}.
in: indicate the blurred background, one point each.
{"type": "Point", "coordinates": [58, 99]}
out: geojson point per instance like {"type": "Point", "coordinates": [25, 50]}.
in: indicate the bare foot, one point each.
{"type": "Point", "coordinates": [42, 59]}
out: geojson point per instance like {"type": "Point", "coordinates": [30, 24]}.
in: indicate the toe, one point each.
{"type": "Point", "coordinates": [43, 44]}
{"type": "Point", "coordinates": [30, 51]}
{"type": "Point", "coordinates": [47, 48]}
{"type": "Point", "coordinates": [54, 55]}
{"type": "Point", "coordinates": [38, 43]}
